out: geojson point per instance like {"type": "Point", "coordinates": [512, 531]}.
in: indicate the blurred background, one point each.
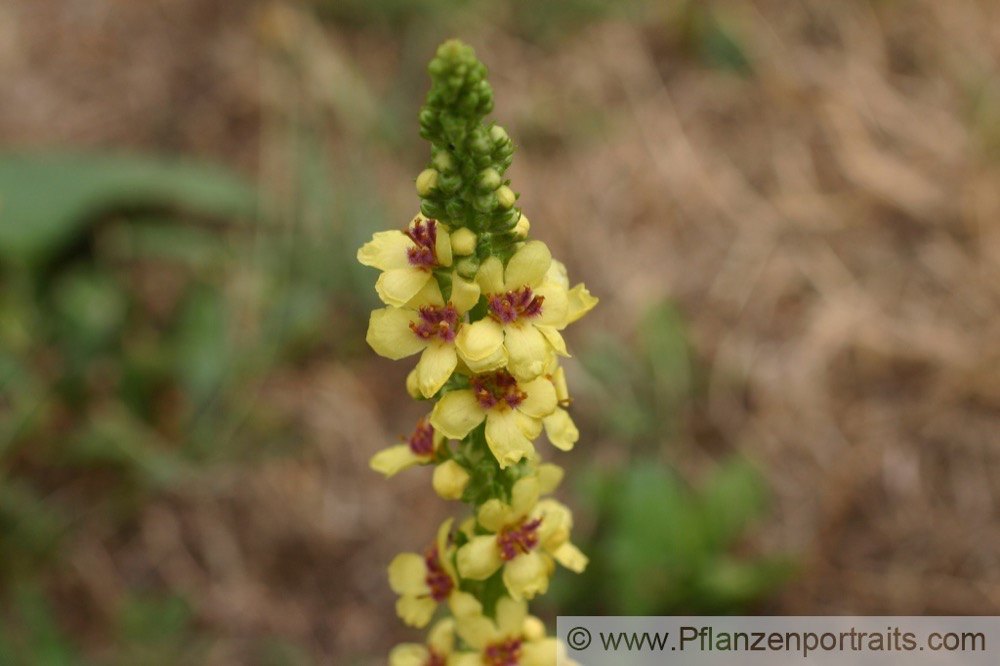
{"type": "Point", "coordinates": [789, 397]}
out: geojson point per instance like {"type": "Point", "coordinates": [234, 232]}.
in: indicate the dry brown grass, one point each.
{"type": "Point", "coordinates": [827, 225]}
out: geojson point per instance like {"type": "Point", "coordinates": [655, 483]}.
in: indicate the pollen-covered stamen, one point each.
{"type": "Point", "coordinates": [437, 578]}
{"type": "Point", "coordinates": [436, 322]}
{"type": "Point", "coordinates": [514, 305]}
{"type": "Point", "coordinates": [424, 237]}
{"type": "Point", "coordinates": [518, 538]}
{"type": "Point", "coordinates": [422, 440]}
{"type": "Point", "coordinates": [503, 653]}
{"type": "Point", "coordinates": [497, 388]}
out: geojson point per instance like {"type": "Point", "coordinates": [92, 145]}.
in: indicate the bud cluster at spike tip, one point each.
{"type": "Point", "coordinates": [464, 186]}
{"type": "Point", "coordinates": [484, 306]}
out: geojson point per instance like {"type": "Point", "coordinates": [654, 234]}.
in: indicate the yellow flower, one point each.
{"type": "Point", "coordinates": [437, 651]}
{"type": "Point", "coordinates": [426, 323]}
{"type": "Point", "coordinates": [419, 449]}
{"type": "Point", "coordinates": [580, 300]}
{"type": "Point", "coordinates": [525, 537]}
{"type": "Point", "coordinates": [525, 313]}
{"type": "Point", "coordinates": [407, 258]}
{"type": "Point", "coordinates": [424, 581]}
{"type": "Point", "coordinates": [559, 427]}
{"type": "Point", "coordinates": [514, 638]}
{"type": "Point", "coordinates": [513, 411]}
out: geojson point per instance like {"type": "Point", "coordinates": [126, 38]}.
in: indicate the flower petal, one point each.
{"type": "Point", "coordinates": [442, 247]}
{"type": "Point", "coordinates": [395, 459]}
{"type": "Point", "coordinates": [554, 338]}
{"type": "Point", "coordinates": [540, 397]}
{"type": "Point", "coordinates": [407, 574]}
{"type": "Point", "coordinates": [463, 604]}
{"type": "Point", "coordinates": [543, 653]}
{"type": "Point", "coordinates": [390, 335]}
{"type": "Point", "coordinates": [435, 367]}
{"type": "Point", "coordinates": [505, 438]}
{"type": "Point", "coordinates": [529, 425]}
{"type": "Point", "coordinates": [456, 413]}
{"type": "Point", "coordinates": [429, 294]}
{"type": "Point", "coordinates": [549, 477]}
{"type": "Point", "coordinates": [490, 276]}
{"type": "Point", "coordinates": [442, 636]}
{"type": "Point", "coordinates": [398, 285]}
{"type": "Point", "coordinates": [494, 514]}
{"type": "Point", "coordinates": [528, 349]}
{"type": "Point", "coordinates": [528, 266]}
{"type": "Point", "coordinates": [525, 577]}
{"type": "Point", "coordinates": [464, 293]}
{"type": "Point", "coordinates": [477, 631]}
{"type": "Point", "coordinates": [386, 250]}
{"type": "Point", "coordinates": [580, 303]}
{"type": "Point", "coordinates": [409, 654]}
{"type": "Point", "coordinates": [555, 305]}
{"type": "Point", "coordinates": [415, 611]}
{"type": "Point", "coordinates": [561, 430]}
{"type": "Point", "coordinates": [571, 557]}
{"type": "Point", "coordinates": [479, 340]}
{"type": "Point", "coordinates": [479, 558]}
{"type": "Point", "coordinates": [524, 495]}
{"type": "Point", "coordinates": [510, 614]}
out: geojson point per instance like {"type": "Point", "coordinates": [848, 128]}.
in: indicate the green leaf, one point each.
{"type": "Point", "coordinates": [731, 499]}
{"type": "Point", "coordinates": [47, 200]}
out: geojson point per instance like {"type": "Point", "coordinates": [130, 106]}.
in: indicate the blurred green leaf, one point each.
{"type": "Point", "coordinates": [202, 356]}
{"type": "Point", "coordinates": [732, 497]}
{"type": "Point", "coordinates": [47, 199]}
{"type": "Point", "coordinates": [29, 633]}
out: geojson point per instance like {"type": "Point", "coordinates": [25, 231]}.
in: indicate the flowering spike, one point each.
{"type": "Point", "coordinates": [484, 307]}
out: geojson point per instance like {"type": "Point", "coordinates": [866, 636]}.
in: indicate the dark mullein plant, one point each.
{"type": "Point", "coordinates": [484, 306]}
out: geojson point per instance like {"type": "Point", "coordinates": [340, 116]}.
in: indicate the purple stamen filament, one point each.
{"type": "Point", "coordinates": [436, 321]}
{"type": "Point", "coordinates": [513, 305]}
{"type": "Point", "coordinates": [519, 538]}
{"type": "Point", "coordinates": [422, 440]}
{"type": "Point", "coordinates": [437, 578]}
{"type": "Point", "coordinates": [497, 388]}
{"type": "Point", "coordinates": [435, 659]}
{"type": "Point", "coordinates": [506, 653]}
{"type": "Point", "coordinates": [424, 237]}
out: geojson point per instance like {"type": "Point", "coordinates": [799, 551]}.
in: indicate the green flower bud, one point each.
{"type": "Point", "coordinates": [467, 267]}
{"type": "Point", "coordinates": [450, 182]}
{"type": "Point", "coordinates": [484, 203]}
{"type": "Point", "coordinates": [443, 161]}
{"type": "Point", "coordinates": [463, 241]}
{"type": "Point", "coordinates": [427, 182]}
{"type": "Point", "coordinates": [499, 135]}
{"type": "Point", "coordinates": [489, 180]}
{"type": "Point", "coordinates": [506, 197]}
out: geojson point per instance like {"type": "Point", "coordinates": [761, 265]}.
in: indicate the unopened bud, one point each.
{"type": "Point", "coordinates": [450, 480]}
{"type": "Point", "coordinates": [505, 197]}
{"type": "Point", "coordinates": [427, 182]}
{"type": "Point", "coordinates": [463, 241]}
{"type": "Point", "coordinates": [443, 161]}
{"type": "Point", "coordinates": [489, 179]}
{"type": "Point", "coordinates": [498, 134]}
{"type": "Point", "coordinates": [413, 385]}
{"type": "Point", "coordinates": [522, 227]}
{"type": "Point", "coordinates": [467, 267]}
